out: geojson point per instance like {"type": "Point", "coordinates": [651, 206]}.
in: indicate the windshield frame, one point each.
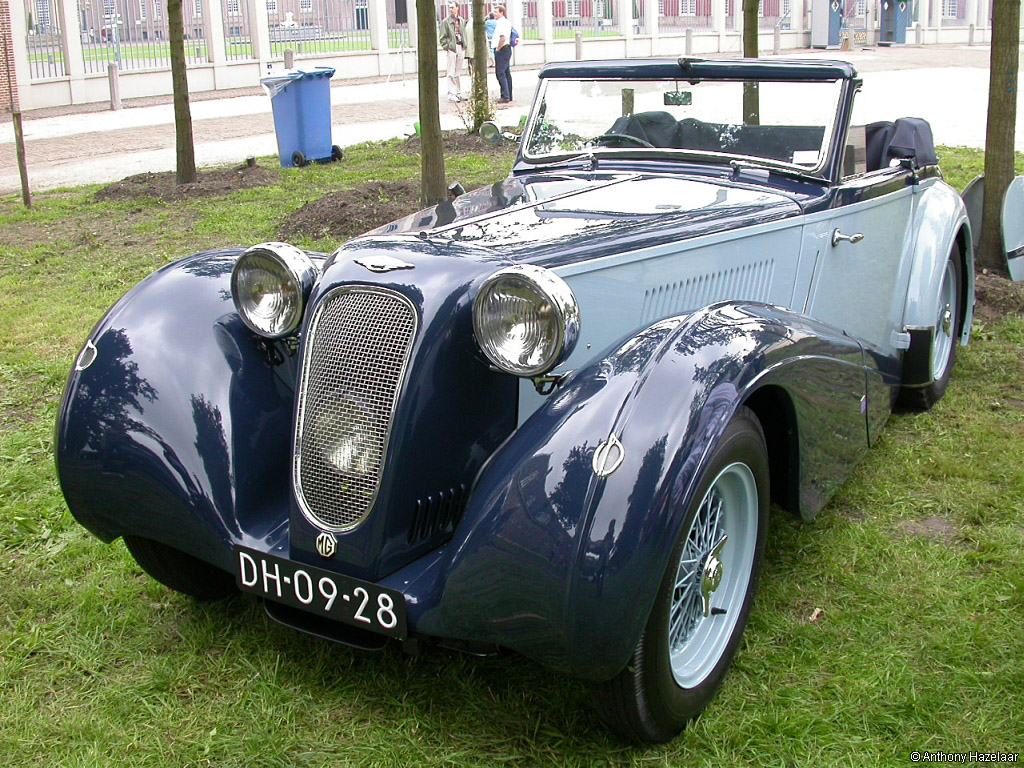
{"type": "Point", "coordinates": [824, 170]}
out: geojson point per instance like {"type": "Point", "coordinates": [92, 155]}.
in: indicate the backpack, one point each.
{"type": "Point", "coordinates": [513, 39]}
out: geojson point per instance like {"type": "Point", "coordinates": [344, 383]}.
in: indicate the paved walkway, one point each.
{"type": "Point", "coordinates": [947, 85]}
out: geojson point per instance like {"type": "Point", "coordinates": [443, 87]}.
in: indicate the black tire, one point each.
{"type": "Point", "coordinates": [645, 702]}
{"type": "Point", "coordinates": [179, 571]}
{"type": "Point", "coordinates": [336, 154]}
{"type": "Point", "coordinates": [298, 159]}
{"type": "Point", "coordinates": [918, 398]}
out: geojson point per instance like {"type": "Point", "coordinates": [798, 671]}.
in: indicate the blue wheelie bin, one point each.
{"type": "Point", "coordinates": [301, 101]}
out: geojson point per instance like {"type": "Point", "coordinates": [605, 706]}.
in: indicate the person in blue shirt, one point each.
{"type": "Point", "coordinates": [489, 24]}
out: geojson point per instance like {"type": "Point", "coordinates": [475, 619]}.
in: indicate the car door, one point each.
{"type": "Point", "coordinates": [858, 248]}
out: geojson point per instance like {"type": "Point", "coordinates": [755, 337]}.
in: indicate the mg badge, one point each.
{"type": "Point", "coordinates": [326, 545]}
{"type": "Point", "coordinates": [608, 456]}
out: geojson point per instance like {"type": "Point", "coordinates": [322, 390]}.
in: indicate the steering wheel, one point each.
{"type": "Point", "coordinates": [625, 136]}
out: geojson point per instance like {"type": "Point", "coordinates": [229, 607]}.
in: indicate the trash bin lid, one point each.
{"type": "Point", "coordinates": [276, 83]}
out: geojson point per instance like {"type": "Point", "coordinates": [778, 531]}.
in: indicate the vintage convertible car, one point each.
{"type": "Point", "coordinates": [548, 415]}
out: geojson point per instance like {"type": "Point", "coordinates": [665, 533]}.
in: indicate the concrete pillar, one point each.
{"type": "Point", "coordinates": [718, 13]}
{"type": "Point", "coordinates": [688, 48]}
{"type": "Point", "coordinates": [624, 11]}
{"type": "Point", "coordinates": [546, 29]}
{"type": "Point", "coordinates": [970, 16]}
{"type": "Point", "coordinates": [935, 21]}
{"type": "Point", "coordinates": [71, 42]}
{"type": "Point", "coordinates": [377, 16]}
{"type": "Point", "coordinates": [796, 16]}
{"type": "Point", "coordinates": [869, 24]}
{"type": "Point", "coordinates": [651, 24]}
{"type": "Point", "coordinates": [259, 31]}
{"type": "Point", "coordinates": [216, 40]}
{"type": "Point", "coordinates": [514, 11]}
{"type": "Point", "coordinates": [22, 76]}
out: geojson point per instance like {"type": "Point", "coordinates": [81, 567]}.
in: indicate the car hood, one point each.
{"type": "Point", "coordinates": [557, 219]}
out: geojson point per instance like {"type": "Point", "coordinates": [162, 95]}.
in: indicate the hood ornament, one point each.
{"type": "Point", "coordinates": [383, 263]}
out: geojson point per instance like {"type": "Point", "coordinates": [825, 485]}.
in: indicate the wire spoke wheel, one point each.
{"type": "Point", "coordinates": [705, 596]}
{"type": "Point", "coordinates": [710, 587]}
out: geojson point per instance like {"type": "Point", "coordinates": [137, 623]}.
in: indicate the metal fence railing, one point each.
{"type": "Point", "coordinates": [238, 30]}
{"type": "Point", "coordinates": [680, 15]}
{"type": "Point", "coordinates": [319, 26]}
{"type": "Point", "coordinates": [43, 40]}
{"type": "Point", "coordinates": [134, 35]}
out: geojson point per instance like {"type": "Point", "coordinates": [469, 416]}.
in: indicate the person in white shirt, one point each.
{"type": "Point", "coordinates": [501, 42]}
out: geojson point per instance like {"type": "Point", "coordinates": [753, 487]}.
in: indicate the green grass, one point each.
{"type": "Point", "coordinates": [919, 643]}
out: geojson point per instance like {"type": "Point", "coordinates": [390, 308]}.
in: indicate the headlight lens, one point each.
{"type": "Point", "coordinates": [526, 319]}
{"type": "Point", "coordinates": [270, 285]}
{"type": "Point", "coordinates": [345, 438]}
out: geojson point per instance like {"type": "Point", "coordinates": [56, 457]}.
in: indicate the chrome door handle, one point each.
{"type": "Point", "coordinates": [838, 237]}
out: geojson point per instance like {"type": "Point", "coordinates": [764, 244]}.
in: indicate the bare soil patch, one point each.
{"type": "Point", "coordinates": [934, 528]}
{"type": "Point", "coordinates": [211, 183]}
{"type": "Point", "coordinates": [460, 143]}
{"type": "Point", "coordinates": [997, 297]}
{"type": "Point", "coordinates": [351, 212]}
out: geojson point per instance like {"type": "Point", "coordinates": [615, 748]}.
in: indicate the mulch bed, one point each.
{"type": "Point", "coordinates": [211, 183]}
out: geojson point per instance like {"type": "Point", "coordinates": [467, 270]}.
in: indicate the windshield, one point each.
{"type": "Point", "coordinates": [781, 122]}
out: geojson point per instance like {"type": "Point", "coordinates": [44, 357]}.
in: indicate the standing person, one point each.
{"type": "Point", "coordinates": [501, 42]}
{"type": "Point", "coordinates": [468, 44]}
{"type": "Point", "coordinates": [453, 42]}
{"type": "Point", "coordinates": [489, 33]}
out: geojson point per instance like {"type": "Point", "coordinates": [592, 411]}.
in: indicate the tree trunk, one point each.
{"type": "Point", "coordinates": [432, 186]}
{"type": "Point", "coordinates": [999, 133]}
{"type": "Point", "coordinates": [186, 154]}
{"type": "Point", "coordinates": [751, 100]}
{"type": "Point", "coordinates": [480, 105]}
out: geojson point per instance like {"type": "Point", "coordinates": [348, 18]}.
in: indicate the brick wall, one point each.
{"type": "Point", "coordinates": [8, 93]}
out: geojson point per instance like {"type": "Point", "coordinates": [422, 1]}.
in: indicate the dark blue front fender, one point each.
{"type": "Point", "coordinates": [180, 428]}
{"type": "Point", "coordinates": [562, 565]}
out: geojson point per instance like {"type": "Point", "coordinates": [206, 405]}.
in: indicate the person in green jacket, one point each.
{"type": "Point", "coordinates": [453, 41]}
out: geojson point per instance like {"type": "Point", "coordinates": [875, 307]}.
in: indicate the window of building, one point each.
{"type": "Point", "coordinates": [949, 9]}
{"type": "Point", "coordinates": [305, 5]}
{"type": "Point", "coordinates": [42, 14]}
{"type": "Point", "coordinates": [233, 8]}
{"type": "Point", "coordinates": [687, 7]}
{"type": "Point", "coordinates": [198, 7]}
{"type": "Point", "coordinates": [572, 7]}
{"type": "Point", "coordinates": [271, 6]}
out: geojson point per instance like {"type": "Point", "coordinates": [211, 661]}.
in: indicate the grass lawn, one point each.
{"type": "Point", "coordinates": [892, 623]}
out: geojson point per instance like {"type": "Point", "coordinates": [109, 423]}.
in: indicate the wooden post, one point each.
{"type": "Point", "coordinates": [114, 79]}
{"type": "Point", "coordinates": [19, 144]}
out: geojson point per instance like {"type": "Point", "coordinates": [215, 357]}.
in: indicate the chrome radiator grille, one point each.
{"type": "Point", "coordinates": [355, 359]}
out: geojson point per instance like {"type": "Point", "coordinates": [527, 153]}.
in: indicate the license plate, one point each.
{"type": "Point", "coordinates": [341, 598]}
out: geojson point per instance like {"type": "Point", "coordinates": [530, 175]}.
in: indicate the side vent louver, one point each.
{"type": "Point", "coordinates": [437, 512]}
{"type": "Point", "coordinates": [749, 282]}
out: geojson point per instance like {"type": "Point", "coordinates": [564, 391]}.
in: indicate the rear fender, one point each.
{"type": "Point", "coordinates": [561, 564]}
{"type": "Point", "coordinates": [941, 220]}
{"type": "Point", "coordinates": [179, 429]}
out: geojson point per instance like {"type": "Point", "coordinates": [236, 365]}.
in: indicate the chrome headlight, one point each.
{"type": "Point", "coordinates": [526, 319]}
{"type": "Point", "coordinates": [270, 285]}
